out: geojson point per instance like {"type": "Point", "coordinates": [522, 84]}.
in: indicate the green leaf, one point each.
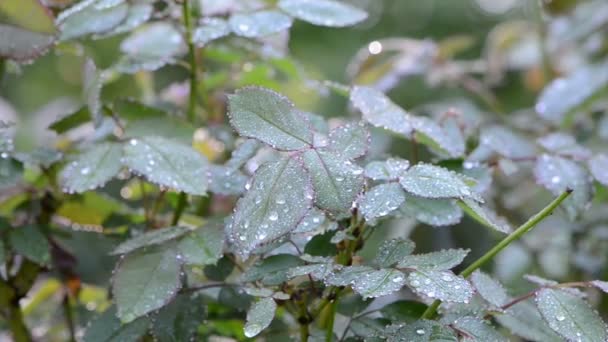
{"type": "Point", "coordinates": [259, 316]}
{"type": "Point", "coordinates": [406, 311]}
{"type": "Point", "coordinates": [167, 127]}
{"type": "Point", "coordinates": [265, 115]}
{"type": "Point", "coordinates": [226, 181]}
{"type": "Point", "coordinates": [598, 166]}
{"type": "Point", "coordinates": [350, 140]}
{"type": "Point", "coordinates": [431, 134]}
{"type": "Point", "coordinates": [323, 12]}
{"type": "Point", "coordinates": [567, 94]}
{"type": "Point", "coordinates": [203, 246]}
{"type": "Point", "coordinates": [564, 145]}
{"type": "Point", "coordinates": [380, 201]}
{"type": "Point", "coordinates": [92, 83]}
{"type": "Point", "coordinates": [92, 168]}
{"type": "Point", "coordinates": [523, 319]}
{"type": "Point", "coordinates": [558, 174]}
{"type": "Point", "coordinates": [138, 14]}
{"type": "Point", "coordinates": [243, 153]}
{"type": "Point", "coordinates": [210, 30]}
{"type": "Point", "coordinates": [108, 328]}
{"type": "Point", "coordinates": [380, 111]}
{"type": "Point", "coordinates": [570, 316]}
{"type": "Point", "coordinates": [391, 169]}
{"type": "Point", "coordinates": [336, 181]}
{"type": "Point", "coordinates": [150, 47]}
{"type": "Point", "coordinates": [506, 143]}
{"type": "Point", "coordinates": [219, 271]}
{"type": "Point", "coordinates": [146, 280]}
{"type": "Point", "coordinates": [71, 121]}
{"type": "Point", "coordinates": [27, 29]}
{"type": "Point", "coordinates": [367, 281]}
{"type": "Point", "coordinates": [484, 215]}
{"type": "Point", "coordinates": [430, 181]}
{"type": "Point", "coordinates": [86, 18]}
{"type": "Point", "coordinates": [154, 237]}
{"type": "Point", "coordinates": [432, 211]}
{"type": "Point", "coordinates": [278, 199]}
{"type": "Point", "coordinates": [30, 242]}
{"type": "Point", "coordinates": [420, 331]}
{"type": "Point", "coordinates": [393, 251]}
{"type": "Point", "coordinates": [168, 163]}
{"type": "Point", "coordinates": [179, 320]}
{"type": "Point", "coordinates": [442, 285]}
{"type": "Point", "coordinates": [273, 270]}
{"type": "Point", "coordinates": [489, 289]}
{"type": "Point", "coordinates": [477, 330]}
{"type": "Point", "coordinates": [132, 110]}
{"type": "Point", "coordinates": [437, 261]}
{"type": "Point", "coordinates": [259, 24]}
{"type": "Point", "coordinates": [11, 171]}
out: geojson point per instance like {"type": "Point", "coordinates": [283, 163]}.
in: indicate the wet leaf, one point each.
{"type": "Point", "coordinates": [393, 251]}
{"type": "Point", "coordinates": [489, 289]}
{"type": "Point", "coordinates": [436, 138]}
{"type": "Point", "coordinates": [598, 166]}
{"type": "Point", "coordinates": [278, 199]}
{"type": "Point", "coordinates": [350, 140]}
{"type": "Point", "coordinates": [259, 24]}
{"type": "Point", "coordinates": [430, 181]}
{"type": "Point", "coordinates": [600, 284]}
{"type": "Point", "coordinates": [11, 171]}
{"type": "Point", "coordinates": [367, 281]}
{"type": "Point", "coordinates": [567, 94]}
{"type": "Point", "coordinates": [442, 285]}
{"type": "Point", "coordinates": [432, 211]}
{"type": "Point", "coordinates": [86, 18]}
{"type": "Point", "coordinates": [226, 180]}
{"type": "Point", "coordinates": [138, 14]}
{"type": "Point", "coordinates": [27, 29]}
{"type": "Point", "coordinates": [570, 316]}
{"type": "Point", "coordinates": [203, 246]}
{"type": "Point", "coordinates": [557, 174]}
{"type": "Point", "coordinates": [30, 242]}
{"type": "Point", "coordinates": [391, 169]}
{"type": "Point", "coordinates": [108, 328]}
{"type": "Point", "coordinates": [485, 216]}
{"type": "Point", "coordinates": [179, 320]}
{"type": "Point", "coordinates": [92, 168]}
{"type": "Point", "coordinates": [523, 319]}
{"type": "Point", "coordinates": [406, 311]}
{"type": "Point", "coordinates": [165, 162]}
{"type": "Point", "coordinates": [420, 331]}
{"type": "Point", "coordinates": [92, 83]}
{"type": "Point", "coordinates": [210, 30]}
{"type": "Point", "coordinates": [269, 117]}
{"type": "Point", "coordinates": [336, 181]}
{"type": "Point", "coordinates": [243, 153]}
{"type": "Point", "coordinates": [380, 111]}
{"type": "Point", "coordinates": [154, 237]}
{"type": "Point", "coordinates": [437, 261]}
{"type": "Point", "coordinates": [564, 145]}
{"type": "Point", "coordinates": [380, 201]}
{"type": "Point", "coordinates": [146, 280]}
{"type": "Point", "coordinates": [323, 12]}
{"type": "Point", "coordinates": [478, 330]}
{"type": "Point", "coordinates": [506, 143]}
{"type": "Point", "coordinates": [259, 316]}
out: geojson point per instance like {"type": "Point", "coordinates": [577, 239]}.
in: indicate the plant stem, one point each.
{"type": "Point", "coordinates": [179, 210]}
{"type": "Point", "coordinates": [187, 16]}
{"type": "Point", "coordinates": [329, 335]}
{"type": "Point", "coordinates": [69, 316]}
{"type": "Point", "coordinates": [518, 233]}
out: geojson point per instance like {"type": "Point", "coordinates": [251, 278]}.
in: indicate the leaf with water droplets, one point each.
{"type": "Point", "coordinates": [210, 30]}
{"type": "Point", "coordinates": [86, 18]}
{"type": "Point", "coordinates": [350, 140]}
{"type": "Point", "coordinates": [154, 237]}
{"type": "Point", "coordinates": [150, 47]}
{"type": "Point", "coordinates": [203, 246]}
{"type": "Point", "coordinates": [437, 261]}
{"type": "Point", "coordinates": [269, 117]}
{"type": "Point", "coordinates": [392, 251]}
{"type": "Point", "coordinates": [477, 330]}
{"type": "Point", "coordinates": [431, 134]}
{"type": "Point", "coordinates": [259, 316]}
{"type": "Point", "coordinates": [419, 331]}
{"type": "Point", "coordinates": [570, 316]}
{"type": "Point", "coordinates": [558, 174]}
{"type": "Point", "coordinates": [108, 328]}
{"type": "Point", "coordinates": [564, 145]}
{"type": "Point", "coordinates": [314, 222]}
{"type": "Point", "coordinates": [168, 163]}
{"type": "Point", "coordinates": [138, 14]}
{"type": "Point", "coordinates": [146, 280]}
{"type": "Point", "coordinates": [179, 320]}
{"type": "Point", "coordinates": [323, 12]}
{"type": "Point", "coordinates": [367, 281]}
{"type": "Point", "coordinates": [92, 168]}
{"type": "Point", "coordinates": [243, 153]}
{"type": "Point", "coordinates": [432, 211]}
{"type": "Point", "coordinates": [92, 83]}
{"type": "Point", "coordinates": [506, 143]}
{"type": "Point", "coordinates": [485, 216]}
{"type": "Point", "coordinates": [259, 24]}
{"type": "Point", "coordinates": [524, 319]}
{"type": "Point", "coordinates": [380, 111]}
{"type": "Point", "coordinates": [600, 284]}
{"type": "Point", "coordinates": [380, 201]}
{"type": "Point", "coordinates": [226, 181]}
{"type": "Point", "coordinates": [489, 289]}
{"type": "Point", "coordinates": [336, 181]}
{"type": "Point", "coordinates": [31, 243]}
{"type": "Point", "coordinates": [391, 169]}
{"type": "Point", "coordinates": [442, 285]}
{"type": "Point", "coordinates": [278, 199]}
{"type": "Point", "coordinates": [598, 166]}
{"type": "Point", "coordinates": [430, 181]}
{"type": "Point", "coordinates": [27, 29]}
{"type": "Point", "coordinates": [564, 95]}
{"type": "Point", "coordinates": [11, 171]}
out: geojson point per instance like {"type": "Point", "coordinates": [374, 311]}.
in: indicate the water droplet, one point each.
{"type": "Point", "coordinates": [133, 142]}
{"type": "Point", "coordinates": [85, 171]}
{"type": "Point", "coordinates": [560, 317]}
{"type": "Point", "coordinates": [420, 331]}
{"type": "Point", "coordinates": [273, 216]}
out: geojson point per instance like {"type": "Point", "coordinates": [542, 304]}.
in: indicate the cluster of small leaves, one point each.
{"type": "Point", "coordinates": [267, 233]}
